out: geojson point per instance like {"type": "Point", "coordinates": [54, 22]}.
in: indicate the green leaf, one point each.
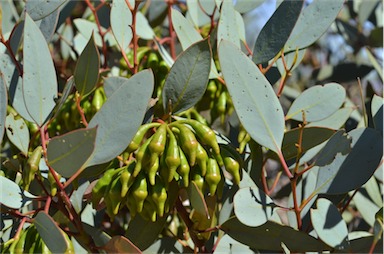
{"type": "Point", "coordinates": [229, 245]}
{"type": "Point", "coordinates": [164, 245]}
{"type": "Point", "coordinates": [253, 97]}
{"type": "Point", "coordinates": [377, 112]}
{"type": "Point", "coordinates": [317, 102]}
{"type": "Point", "coordinates": [366, 154]}
{"type": "Point", "coordinates": [99, 237]}
{"type": "Point", "coordinates": [66, 92]}
{"type": "Point", "coordinates": [270, 235]}
{"type": "Point", "coordinates": [373, 190]}
{"type": "Point", "coordinates": [120, 117]}
{"type": "Point", "coordinates": [197, 200]}
{"type": "Point", "coordinates": [87, 28]}
{"type": "Point", "coordinates": [244, 6]}
{"type": "Point", "coordinates": [111, 84]}
{"type": "Point", "coordinates": [188, 77]}
{"type": "Point", "coordinates": [334, 121]}
{"type": "Point", "coordinates": [121, 21]}
{"type": "Point", "coordinates": [252, 206]}
{"type": "Point", "coordinates": [3, 106]}
{"type": "Point", "coordinates": [86, 73]}
{"type": "Point", "coordinates": [329, 225]}
{"type": "Point", "coordinates": [188, 35]}
{"type": "Point", "coordinates": [148, 233]}
{"type": "Point", "coordinates": [143, 29]}
{"type": "Point", "coordinates": [51, 234]}
{"type": "Point", "coordinates": [120, 244]}
{"type": "Point", "coordinates": [48, 24]}
{"type": "Point", "coordinates": [12, 195]}
{"type": "Point", "coordinates": [227, 27]}
{"type": "Point", "coordinates": [39, 9]}
{"type": "Point", "coordinates": [17, 132]}
{"type": "Point", "coordinates": [198, 12]}
{"type": "Point", "coordinates": [68, 153]}
{"type": "Point", "coordinates": [314, 20]}
{"type": "Point", "coordinates": [276, 31]}
{"type": "Point", "coordinates": [39, 78]}
{"type": "Point", "coordinates": [366, 207]}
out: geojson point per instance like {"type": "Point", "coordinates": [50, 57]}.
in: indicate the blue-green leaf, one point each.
{"type": "Point", "coordinates": [227, 27]}
{"type": "Point", "coordinates": [188, 35]}
{"type": "Point", "coordinates": [66, 92]}
{"type": "Point", "coordinates": [188, 78]}
{"type": "Point", "coordinates": [68, 153]}
{"type": "Point", "coordinates": [377, 112]}
{"type": "Point", "coordinates": [334, 121]}
{"type": "Point", "coordinates": [197, 200]}
{"type": "Point", "coordinates": [366, 153]}
{"type": "Point", "coordinates": [111, 84]}
{"type": "Point", "coordinates": [87, 28]}
{"type": "Point", "coordinates": [270, 235]}
{"type": "Point", "coordinates": [329, 225]}
{"type": "Point", "coordinates": [317, 102]}
{"type": "Point", "coordinates": [276, 31]}
{"type": "Point", "coordinates": [3, 106]}
{"type": "Point", "coordinates": [252, 206]}
{"type": "Point", "coordinates": [366, 207]}
{"type": "Point", "coordinates": [229, 245]}
{"type": "Point", "coordinates": [86, 72]}
{"type": "Point", "coordinates": [39, 79]}
{"type": "Point", "coordinates": [244, 6]}
{"type": "Point", "coordinates": [253, 97]}
{"type": "Point", "coordinates": [314, 20]}
{"type": "Point", "coordinates": [120, 117]}
{"type": "Point", "coordinates": [143, 29]}
{"type": "Point", "coordinates": [121, 21]}
{"type": "Point", "coordinates": [17, 132]}
{"type": "Point", "coordinates": [48, 25]}
{"type": "Point", "coordinates": [38, 9]}
{"type": "Point", "coordinates": [12, 195]}
{"type": "Point", "coordinates": [120, 244]}
{"type": "Point", "coordinates": [51, 234]}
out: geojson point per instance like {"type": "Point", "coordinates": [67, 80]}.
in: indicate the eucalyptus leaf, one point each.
{"type": "Point", "coordinates": [377, 112]}
{"type": "Point", "coordinates": [165, 245]}
{"type": "Point", "coordinates": [121, 21]}
{"type": "Point", "coordinates": [120, 244]}
{"type": "Point", "coordinates": [143, 29]}
{"type": "Point", "coordinates": [197, 200]}
{"type": "Point", "coordinates": [17, 132]}
{"type": "Point", "coordinates": [86, 72]}
{"type": "Point", "coordinates": [244, 6]}
{"type": "Point", "coordinates": [111, 84]}
{"type": "Point", "coordinates": [187, 80]}
{"type": "Point", "coordinates": [48, 24]}
{"type": "Point", "coordinates": [276, 31]}
{"type": "Point", "coordinates": [66, 32]}
{"type": "Point", "coordinates": [39, 78]}
{"type": "Point", "coordinates": [329, 225]}
{"type": "Point", "coordinates": [12, 195]}
{"type": "Point", "coordinates": [317, 102]}
{"type": "Point", "coordinates": [51, 234]}
{"type": "Point", "coordinates": [39, 9]}
{"type": "Point", "coordinates": [66, 92]}
{"type": "Point", "coordinates": [77, 200]}
{"type": "Point", "coordinates": [120, 117]}
{"type": "Point", "coordinates": [334, 121]}
{"type": "Point", "coordinates": [270, 235]}
{"type": "Point", "coordinates": [254, 100]}
{"type": "Point", "coordinates": [252, 206]}
{"type": "Point", "coordinates": [366, 154]}
{"type": "Point", "coordinates": [229, 245]}
{"type": "Point", "coordinates": [87, 28]}
{"type": "Point", "coordinates": [313, 21]}
{"type": "Point", "coordinates": [188, 35]}
{"type": "Point", "coordinates": [366, 207]}
{"type": "Point", "coordinates": [227, 27]}
{"type": "Point", "coordinates": [3, 106]}
{"type": "Point", "coordinates": [68, 153]}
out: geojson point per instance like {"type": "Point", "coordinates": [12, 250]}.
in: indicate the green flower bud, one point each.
{"type": "Point", "coordinates": [139, 191]}
{"type": "Point", "coordinates": [213, 175]}
{"type": "Point", "coordinates": [136, 141]}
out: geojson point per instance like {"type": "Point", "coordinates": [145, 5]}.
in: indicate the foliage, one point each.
{"type": "Point", "coordinates": [162, 126]}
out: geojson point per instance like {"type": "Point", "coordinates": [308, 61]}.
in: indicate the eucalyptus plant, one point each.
{"type": "Point", "coordinates": [178, 126]}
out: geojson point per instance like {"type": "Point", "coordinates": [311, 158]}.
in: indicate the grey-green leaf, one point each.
{"type": "Point", "coordinates": [197, 200]}
{"type": "Point", "coordinates": [86, 73]}
{"type": "Point", "coordinates": [51, 234]}
{"type": "Point", "coordinates": [121, 21]}
{"type": "Point", "coordinates": [314, 20]}
{"type": "Point", "coordinates": [39, 79]}
{"type": "Point", "coordinates": [17, 132]}
{"type": "Point", "coordinates": [111, 84]}
{"type": "Point", "coordinates": [253, 97]}
{"type": "Point", "coordinates": [188, 78]}
{"type": "Point", "coordinates": [120, 244]}
{"type": "Point", "coordinates": [12, 195]}
{"type": "Point", "coordinates": [68, 153]}
{"type": "Point", "coordinates": [334, 121]}
{"type": "Point", "coordinates": [276, 31]}
{"type": "Point", "coordinates": [120, 117]}
{"type": "Point", "coordinates": [270, 235]}
{"type": "Point", "coordinates": [329, 225]}
{"type": "Point", "coordinates": [377, 112]}
{"type": "Point", "coordinates": [3, 106]}
{"type": "Point", "coordinates": [229, 245]}
{"type": "Point", "coordinates": [366, 154]}
{"type": "Point", "coordinates": [252, 206]}
{"type": "Point", "coordinates": [38, 9]}
{"type": "Point", "coordinates": [227, 27]}
{"type": "Point", "coordinates": [317, 102]}
{"type": "Point", "coordinates": [244, 6]}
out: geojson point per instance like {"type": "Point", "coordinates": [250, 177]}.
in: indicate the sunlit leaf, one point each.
{"type": "Point", "coordinates": [366, 207]}
{"type": "Point", "coordinates": [243, 6]}
{"type": "Point", "coordinates": [317, 102]}
{"type": "Point", "coordinates": [12, 195]}
{"type": "Point", "coordinates": [120, 244]}
{"type": "Point", "coordinates": [86, 72]}
{"type": "Point", "coordinates": [329, 225]}
{"type": "Point", "coordinates": [227, 27]}
{"type": "Point", "coordinates": [276, 31]}
{"type": "Point", "coordinates": [68, 153]}
{"type": "Point", "coordinates": [3, 106]}
{"type": "Point", "coordinates": [377, 112]}
{"type": "Point", "coordinates": [39, 78]}
{"type": "Point", "coordinates": [188, 78]}
{"type": "Point", "coordinates": [254, 100]}
{"type": "Point", "coordinates": [197, 200]}
{"type": "Point", "coordinates": [120, 117]}
{"type": "Point", "coordinates": [17, 132]}
{"type": "Point", "coordinates": [38, 9]}
{"type": "Point", "coordinates": [121, 20]}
